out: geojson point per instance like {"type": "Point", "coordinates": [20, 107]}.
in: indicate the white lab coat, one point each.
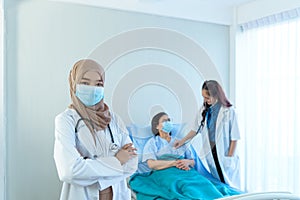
{"type": "Point", "coordinates": [226, 130]}
{"type": "Point", "coordinates": [83, 178]}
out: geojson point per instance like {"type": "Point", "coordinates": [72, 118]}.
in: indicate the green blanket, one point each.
{"type": "Point", "coordinates": [174, 183]}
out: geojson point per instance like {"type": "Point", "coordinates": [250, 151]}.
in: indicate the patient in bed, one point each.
{"type": "Point", "coordinates": [172, 173]}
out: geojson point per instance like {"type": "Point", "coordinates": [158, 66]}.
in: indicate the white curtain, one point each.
{"type": "Point", "coordinates": [268, 103]}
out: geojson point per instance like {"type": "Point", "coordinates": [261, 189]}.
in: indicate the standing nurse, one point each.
{"type": "Point", "coordinates": [93, 152]}
{"type": "Point", "coordinates": [217, 123]}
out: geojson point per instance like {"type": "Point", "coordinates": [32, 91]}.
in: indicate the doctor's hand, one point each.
{"type": "Point", "coordinates": [129, 147]}
{"type": "Point", "coordinates": [125, 153]}
{"type": "Point", "coordinates": [178, 143]}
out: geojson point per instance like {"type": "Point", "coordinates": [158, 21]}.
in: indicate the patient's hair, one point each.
{"type": "Point", "coordinates": [155, 122]}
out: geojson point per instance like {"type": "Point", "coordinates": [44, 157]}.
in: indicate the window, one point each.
{"type": "Point", "coordinates": [268, 96]}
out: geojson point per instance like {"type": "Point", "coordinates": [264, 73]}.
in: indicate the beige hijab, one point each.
{"type": "Point", "coordinates": [98, 114]}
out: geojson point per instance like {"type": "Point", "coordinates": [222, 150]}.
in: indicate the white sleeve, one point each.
{"type": "Point", "coordinates": [130, 166]}
{"type": "Point", "coordinates": [119, 127]}
{"type": "Point", "coordinates": [233, 126]}
{"type": "Point", "coordinates": [71, 166]}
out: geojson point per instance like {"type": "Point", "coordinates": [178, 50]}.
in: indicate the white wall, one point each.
{"type": "Point", "coordinates": [43, 41]}
{"type": "Point", "coordinates": [2, 112]}
{"type": "Point", "coordinates": [195, 10]}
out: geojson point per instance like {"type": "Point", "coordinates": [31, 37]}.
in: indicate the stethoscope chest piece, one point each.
{"type": "Point", "coordinates": [114, 147]}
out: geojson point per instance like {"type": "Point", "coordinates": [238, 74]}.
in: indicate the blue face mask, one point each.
{"type": "Point", "coordinates": [89, 95]}
{"type": "Point", "coordinates": [167, 127]}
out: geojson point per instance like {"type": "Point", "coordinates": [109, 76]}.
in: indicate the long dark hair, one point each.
{"type": "Point", "coordinates": [214, 89]}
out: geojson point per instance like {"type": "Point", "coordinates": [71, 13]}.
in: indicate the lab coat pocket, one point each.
{"type": "Point", "coordinates": [230, 165]}
{"type": "Point", "coordinates": [229, 162]}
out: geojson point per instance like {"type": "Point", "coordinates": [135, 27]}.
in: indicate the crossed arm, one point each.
{"type": "Point", "coordinates": [183, 164]}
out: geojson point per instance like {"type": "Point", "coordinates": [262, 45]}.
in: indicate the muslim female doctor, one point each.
{"type": "Point", "coordinates": [93, 152]}
{"type": "Point", "coordinates": [216, 122]}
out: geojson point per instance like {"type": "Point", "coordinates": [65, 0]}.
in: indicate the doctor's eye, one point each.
{"type": "Point", "coordinates": [84, 83]}
{"type": "Point", "coordinates": [100, 84]}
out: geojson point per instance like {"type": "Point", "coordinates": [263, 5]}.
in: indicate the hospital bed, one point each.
{"type": "Point", "coordinates": [140, 135]}
{"type": "Point", "coordinates": [264, 196]}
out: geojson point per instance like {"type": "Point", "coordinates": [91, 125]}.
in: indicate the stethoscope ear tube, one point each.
{"type": "Point", "coordinates": [83, 119]}
{"type": "Point", "coordinates": [113, 146]}
{"type": "Point", "coordinates": [199, 129]}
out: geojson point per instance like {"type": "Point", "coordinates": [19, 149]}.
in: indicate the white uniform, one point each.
{"type": "Point", "coordinates": [83, 178]}
{"type": "Point", "coordinates": [226, 130]}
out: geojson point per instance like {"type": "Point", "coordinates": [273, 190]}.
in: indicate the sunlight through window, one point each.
{"type": "Point", "coordinates": [268, 94]}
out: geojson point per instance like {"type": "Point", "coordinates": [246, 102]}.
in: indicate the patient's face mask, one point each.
{"type": "Point", "coordinates": [89, 95]}
{"type": "Point", "coordinates": [167, 126]}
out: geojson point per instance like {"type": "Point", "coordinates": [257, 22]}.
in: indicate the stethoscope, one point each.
{"type": "Point", "coordinates": [199, 130]}
{"type": "Point", "coordinates": [113, 145]}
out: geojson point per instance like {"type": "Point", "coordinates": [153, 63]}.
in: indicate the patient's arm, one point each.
{"type": "Point", "coordinates": [185, 164]}
{"type": "Point", "coordinates": [161, 164]}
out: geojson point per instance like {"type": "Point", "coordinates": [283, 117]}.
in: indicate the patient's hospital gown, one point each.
{"type": "Point", "coordinates": [174, 183]}
{"type": "Point", "coordinates": [157, 147]}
